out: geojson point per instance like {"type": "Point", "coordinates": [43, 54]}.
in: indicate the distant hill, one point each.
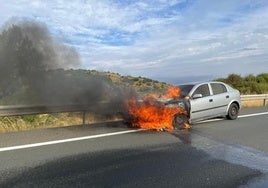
{"type": "Point", "coordinates": [143, 86]}
{"type": "Point", "coordinates": [249, 84]}
{"type": "Point", "coordinates": [73, 87]}
{"type": "Point", "coordinates": [84, 86]}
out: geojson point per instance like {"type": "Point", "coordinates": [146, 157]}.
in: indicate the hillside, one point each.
{"type": "Point", "coordinates": [249, 84]}
{"type": "Point", "coordinates": [143, 86]}
{"type": "Point", "coordinates": [84, 86]}
{"type": "Point", "coordinates": [73, 87]}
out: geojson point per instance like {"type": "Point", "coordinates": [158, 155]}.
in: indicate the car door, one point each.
{"type": "Point", "coordinates": [201, 107]}
{"type": "Point", "coordinates": [221, 98]}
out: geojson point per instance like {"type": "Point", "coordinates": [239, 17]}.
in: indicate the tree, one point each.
{"type": "Point", "coordinates": [250, 78]}
{"type": "Point", "coordinates": [262, 78]}
{"type": "Point", "coordinates": [235, 80]}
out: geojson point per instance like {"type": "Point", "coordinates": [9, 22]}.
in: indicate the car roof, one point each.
{"type": "Point", "coordinates": [198, 83]}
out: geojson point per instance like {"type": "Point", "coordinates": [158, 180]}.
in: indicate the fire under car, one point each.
{"type": "Point", "coordinates": [204, 101]}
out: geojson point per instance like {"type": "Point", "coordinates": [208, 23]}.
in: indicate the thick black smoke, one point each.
{"type": "Point", "coordinates": [35, 69]}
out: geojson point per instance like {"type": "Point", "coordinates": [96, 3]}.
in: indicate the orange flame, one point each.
{"type": "Point", "coordinates": [152, 114]}
{"type": "Point", "coordinates": [172, 92]}
{"type": "Point", "coordinates": [187, 126]}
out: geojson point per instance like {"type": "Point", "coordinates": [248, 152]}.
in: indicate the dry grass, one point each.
{"type": "Point", "coordinates": [252, 103]}
{"type": "Point", "coordinates": [18, 123]}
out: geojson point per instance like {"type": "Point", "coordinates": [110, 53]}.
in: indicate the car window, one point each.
{"type": "Point", "coordinates": [203, 89]}
{"type": "Point", "coordinates": [218, 88]}
{"type": "Point", "coordinates": [185, 89]}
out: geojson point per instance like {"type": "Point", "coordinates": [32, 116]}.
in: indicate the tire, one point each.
{"type": "Point", "coordinates": [179, 121]}
{"type": "Point", "coordinates": [233, 111]}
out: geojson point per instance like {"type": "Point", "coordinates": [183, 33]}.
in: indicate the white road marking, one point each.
{"type": "Point", "coordinates": [256, 114]}
{"type": "Point", "coordinates": [100, 135]}
{"type": "Point", "coordinates": [241, 116]}
{"type": "Point", "coordinates": [67, 140]}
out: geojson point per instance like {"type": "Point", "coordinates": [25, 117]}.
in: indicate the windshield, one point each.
{"type": "Point", "coordinates": [185, 89]}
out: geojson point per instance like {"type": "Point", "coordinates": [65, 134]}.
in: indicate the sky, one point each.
{"type": "Point", "coordinates": [167, 40]}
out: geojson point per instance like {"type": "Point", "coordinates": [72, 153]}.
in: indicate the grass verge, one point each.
{"type": "Point", "coordinates": [252, 103]}
{"type": "Point", "coordinates": [29, 122]}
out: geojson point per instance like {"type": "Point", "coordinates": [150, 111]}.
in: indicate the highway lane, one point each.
{"type": "Point", "coordinates": [212, 154]}
{"type": "Point", "coordinates": [247, 130]}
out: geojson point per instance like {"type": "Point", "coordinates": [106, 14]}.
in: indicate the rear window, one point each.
{"type": "Point", "coordinates": [218, 88]}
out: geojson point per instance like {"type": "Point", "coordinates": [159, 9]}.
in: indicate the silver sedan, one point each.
{"type": "Point", "coordinates": [206, 100]}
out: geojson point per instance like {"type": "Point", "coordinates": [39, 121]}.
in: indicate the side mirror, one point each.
{"type": "Point", "coordinates": [196, 96]}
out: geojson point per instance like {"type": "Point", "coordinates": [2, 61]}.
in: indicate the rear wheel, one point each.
{"type": "Point", "coordinates": [233, 111]}
{"type": "Point", "coordinates": [179, 121]}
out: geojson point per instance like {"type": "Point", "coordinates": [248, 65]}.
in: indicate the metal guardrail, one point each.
{"type": "Point", "coordinates": [99, 108]}
{"type": "Point", "coordinates": [263, 97]}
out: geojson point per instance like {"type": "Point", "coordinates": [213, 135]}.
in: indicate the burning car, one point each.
{"type": "Point", "coordinates": [183, 105]}
{"type": "Point", "coordinates": [204, 101]}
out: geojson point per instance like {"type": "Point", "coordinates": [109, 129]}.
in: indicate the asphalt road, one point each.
{"type": "Point", "coordinates": [218, 153]}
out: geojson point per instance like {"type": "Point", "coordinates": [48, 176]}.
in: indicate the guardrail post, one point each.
{"type": "Point", "coordinates": [264, 102]}
{"type": "Point", "coordinates": [84, 117]}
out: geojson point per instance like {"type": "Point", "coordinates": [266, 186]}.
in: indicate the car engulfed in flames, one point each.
{"type": "Point", "coordinates": [160, 113]}
{"type": "Point", "coordinates": [184, 105]}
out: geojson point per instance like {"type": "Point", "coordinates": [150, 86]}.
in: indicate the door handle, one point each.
{"type": "Point", "coordinates": [227, 96]}
{"type": "Point", "coordinates": [210, 100]}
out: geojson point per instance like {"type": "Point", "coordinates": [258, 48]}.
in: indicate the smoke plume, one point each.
{"type": "Point", "coordinates": [35, 68]}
